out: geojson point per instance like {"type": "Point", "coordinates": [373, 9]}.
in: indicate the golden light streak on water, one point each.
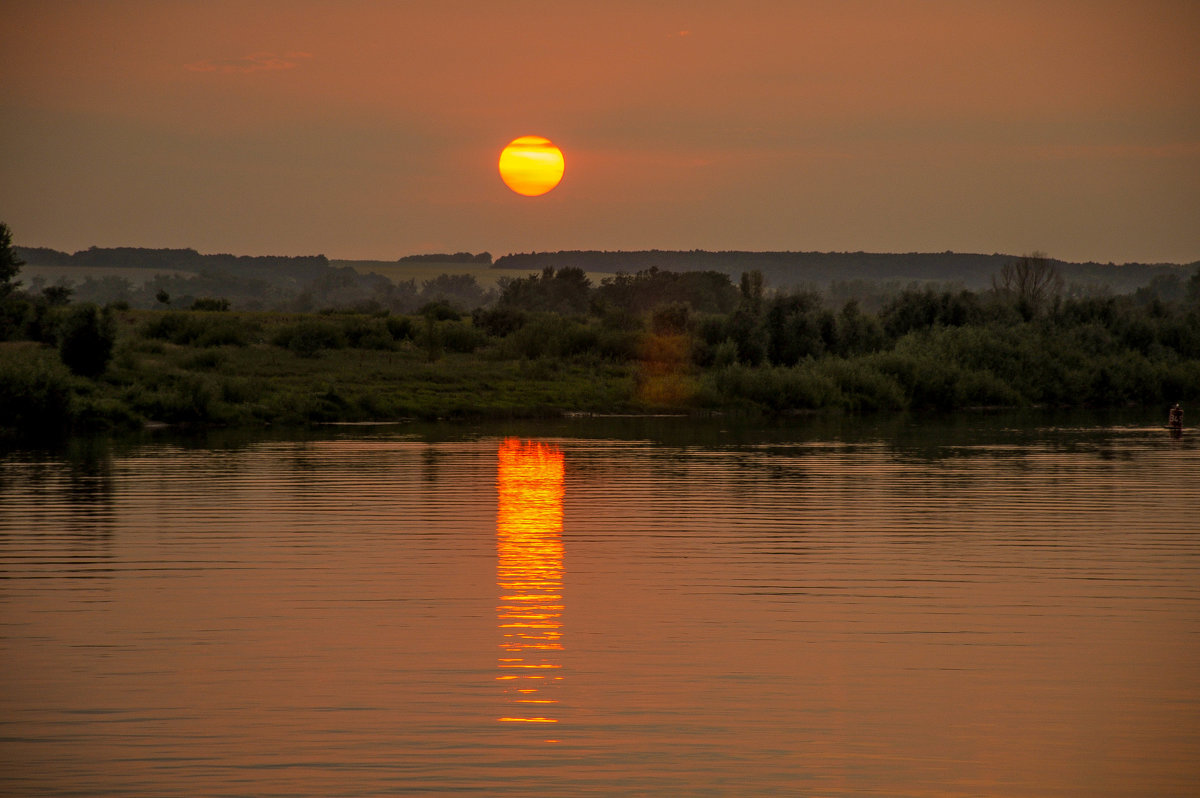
{"type": "Point", "coordinates": [529, 572]}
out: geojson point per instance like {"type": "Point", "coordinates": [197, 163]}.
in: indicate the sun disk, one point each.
{"type": "Point", "coordinates": [531, 165]}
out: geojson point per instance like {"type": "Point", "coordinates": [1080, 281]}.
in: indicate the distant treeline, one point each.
{"type": "Point", "coordinates": [457, 257]}
{"type": "Point", "coordinates": [791, 269]}
{"type": "Point", "coordinates": [177, 277]}
{"type": "Point", "coordinates": [189, 260]}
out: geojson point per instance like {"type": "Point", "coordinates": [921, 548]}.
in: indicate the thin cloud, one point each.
{"type": "Point", "coordinates": [255, 62]}
{"type": "Point", "coordinates": [1180, 149]}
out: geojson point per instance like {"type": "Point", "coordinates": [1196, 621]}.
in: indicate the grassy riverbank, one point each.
{"type": "Point", "coordinates": [776, 355]}
{"type": "Point", "coordinates": [238, 368]}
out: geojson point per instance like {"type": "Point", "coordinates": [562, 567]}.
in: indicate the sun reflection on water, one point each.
{"type": "Point", "coordinates": [529, 572]}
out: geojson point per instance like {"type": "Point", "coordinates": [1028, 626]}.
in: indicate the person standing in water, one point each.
{"type": "Point", "coordinates": [1175, 418]}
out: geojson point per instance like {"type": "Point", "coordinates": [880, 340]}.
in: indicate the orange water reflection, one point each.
{"type": "Point", "coordinates": [529, 572]}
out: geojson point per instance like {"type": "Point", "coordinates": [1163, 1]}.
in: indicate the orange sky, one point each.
{"type": "Point", "coordinates": [371, 129]}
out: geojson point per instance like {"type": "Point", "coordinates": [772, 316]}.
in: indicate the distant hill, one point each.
{"type": "Point", "coordinates": [304, 267]}
{"type": "Point", "coordinates": [446, 257]}
{"type": "Point", "coordinates": [786, 269]}
{"type": "Point", "coordinates": [780, 269]}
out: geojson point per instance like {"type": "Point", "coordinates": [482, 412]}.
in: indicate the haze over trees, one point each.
{"type": "Point", "coordinates": [313, 283]}
{"type": "Point", "coordinates": [792, 269]}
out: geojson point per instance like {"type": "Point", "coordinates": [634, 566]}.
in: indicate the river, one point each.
{"type": "Point", "coordinates": [981, 606]}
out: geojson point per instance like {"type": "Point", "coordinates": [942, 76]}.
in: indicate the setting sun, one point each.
{"type": "Point", "coordinates": [531, 165]}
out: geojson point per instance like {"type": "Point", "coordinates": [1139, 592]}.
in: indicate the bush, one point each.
{"type": "Point", "coordinates": [41, 320]}
{"type": "Point", "coordinates": [929, 382]}
{"type": "Point", "coordinates": [226, 332]}
{"type": "Point", "coordinates": [862, 385]}
{"type": "Point", "coordinates": [187, 399]}
{"type": "Point", "coordinates": [617, 345]}
{"type": "Point", "coordinates": [499, 322]}
{"type": "Point", "coordinates": [35, 392]}
{"type": "Point", "coordinates": [440, 311]}
{"type": "Point", "coordinates": [86, 339]}
{"type": "Point", "coordinates": [309, 336]}
{"type": "Point", "coordinates": [985, 389]}
{"type": "Point", "coordinates": [724, 354]}
{"type": "Point", "coordinates": [210, 303]}
{"type": "Point", "coordinates": [173, 327]}
{"type": "Point", "coordinates": [102, 413]}
{"type": "Point", "coordinates": [670, 319]}
{"type": "Point", "coordinates": [462, 336]}
{"type": "Point", "coordinates": [190, 329]}
{"type": "Point", "coordinates": [364, 333]}
{"type": "Point", "coordinates": [666, 349]}
{"type": "Point", "coordinates": [543, 335]}
{"type": "Point", "coordinates": [401, 328]}
{"type": "Point", "coordinates": [202, 361]}
{"type": "Point", "coordinates": [775, 388]}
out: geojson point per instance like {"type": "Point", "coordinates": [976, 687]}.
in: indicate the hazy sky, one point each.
{"type": "Point", "coordinates": [372, 129]}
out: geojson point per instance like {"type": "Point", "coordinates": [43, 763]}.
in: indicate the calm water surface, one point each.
{"type": "Point", "coordinates": [654, 608]}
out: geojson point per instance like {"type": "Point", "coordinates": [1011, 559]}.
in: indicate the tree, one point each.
{"type": "Point", "coordinates": [564, 291]}
{"type": "Point", "coordinates": [57, 295]}
{"type": "Point", "coordinates": [10, 264]}
{"type": "Point", "coordinates": [752, 291]}
{"type": "Point", "coordinates": [85, 340]}
{"type": "Point", "coordinates": [1193, 288]}
{"type": "Point", "coordinates": [1032, 281]}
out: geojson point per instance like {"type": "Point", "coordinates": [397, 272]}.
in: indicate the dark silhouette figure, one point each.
{"type": "Point", "coordinates": [1175, 420]}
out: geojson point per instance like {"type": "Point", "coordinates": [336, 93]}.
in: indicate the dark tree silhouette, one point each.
{"type": "Point", "coordinates": [86, 340]}
{"type": "Point", "coordinates": [10, 264]}
{"type": "Point", "coordinates": [1032, 281]}
{"type": "Point", "coordinates": [57, 295]}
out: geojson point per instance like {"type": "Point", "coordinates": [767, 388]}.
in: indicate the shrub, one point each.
{"type": "Point", "coordinates": [177, 400]}
{"type": "Point", "coordinates": [41, 320]}
{"type": "Point", "coordinates": [775, 388]}
{"type": "Point", "coordinates": [928, 381]}
{"type": "Point", "coordinates": [985, 389]}
{"type": "Point", "coordinates": [861, 384]}
{"type": "Point", "coordinates": [440, 310]}
{"type": "Point", "coordinates": [617, 345]}
{"type": "Point", "coordinates": [364, 333]}
{"type": "Point", "coordinates": [225, 332]}
{"type": "Point", "coordinates": [35, 392]}
{"type": "Point", "coordinates": [670, 319]}
{"type": "Point", "coordinates": [86, 339]}
{"type": "Point", "coordinates": [210, 303]}
{"type": "Point", "coordinates": [667, 349]}
{"type": "Point", "coordinates": [724, 354]}
{"type": "Point", "coordinates": [101, 413]}
{"type": "Point", "coordinates": [190, 329]}
{"type": "Point", "coordinates": [202, 361]}
{"type": "Point", "coordinates": [542, 335]}
{"type": "Point", "coordinates": [309, 336]}
{"type": "Point", "coordinates": [499, 322]}
{"type": "Point", "coordinates": [401, 328]}
{"type": "Point", "coordinates": [167, 327]}
{"type": "Point", "coordinates": [462, 336]}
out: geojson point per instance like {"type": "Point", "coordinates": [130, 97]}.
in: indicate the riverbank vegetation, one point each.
{"type": "Point", "coordinates": [553, 342]}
